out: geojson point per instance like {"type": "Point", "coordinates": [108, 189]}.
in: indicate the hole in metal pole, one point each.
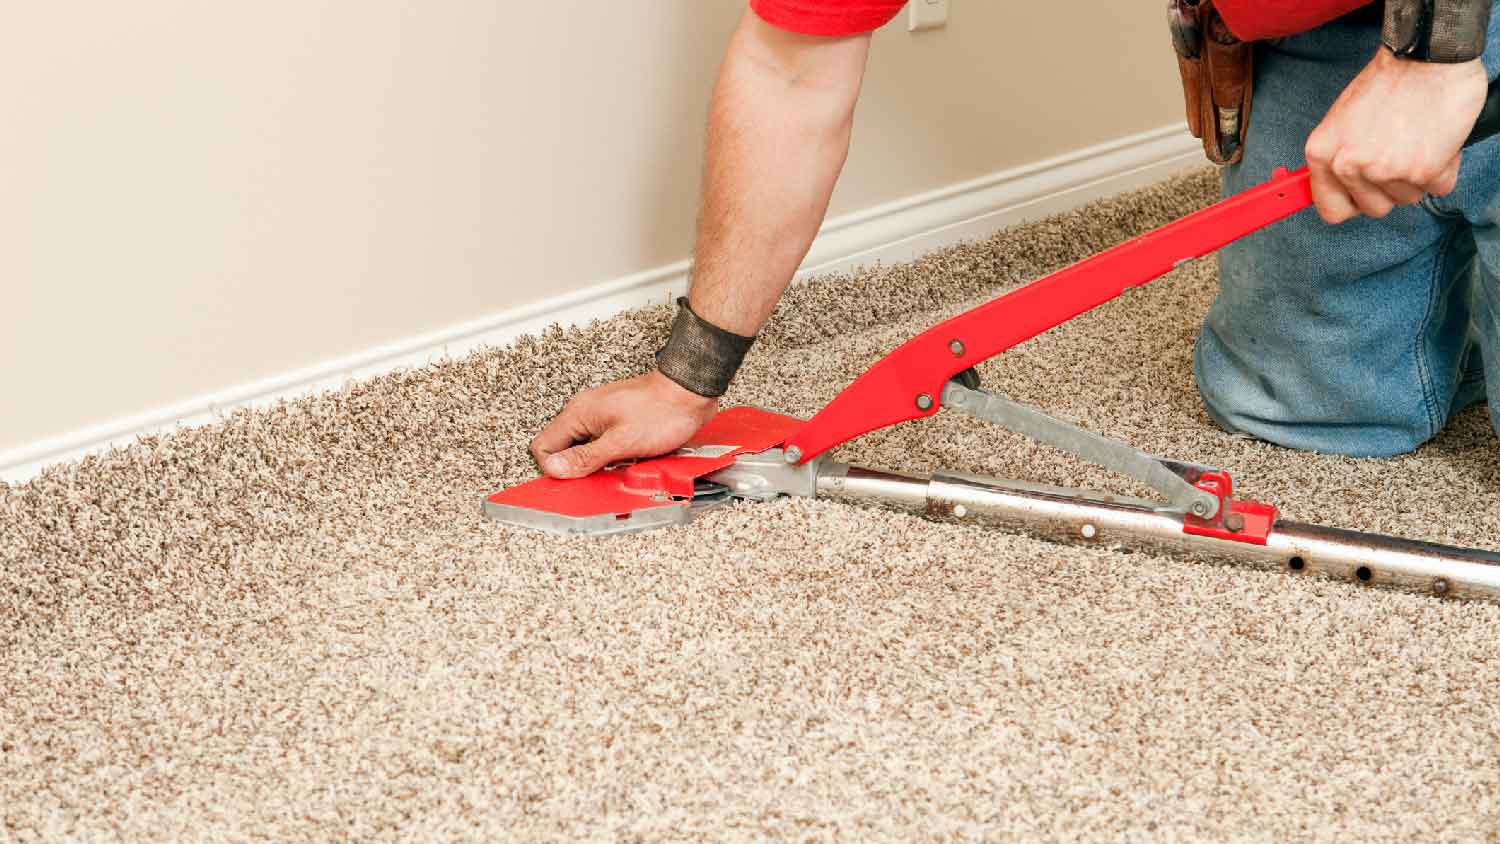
{"type": "Point", "coordinates": [1296, 564]}
{"type": "Point", "coordinates": [1363, 573]}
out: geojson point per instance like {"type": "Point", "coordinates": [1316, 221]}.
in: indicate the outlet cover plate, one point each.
{"type": "Point", "coordinates": [926, 14]}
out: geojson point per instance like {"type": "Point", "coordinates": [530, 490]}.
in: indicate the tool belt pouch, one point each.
{"type": "Point", "coordinates": [1217, 70]}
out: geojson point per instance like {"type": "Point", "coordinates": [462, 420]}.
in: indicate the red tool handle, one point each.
{"type": "Point", "coordinates": [906, 384]}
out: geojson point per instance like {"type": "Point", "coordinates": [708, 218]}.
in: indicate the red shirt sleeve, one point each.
{"type": "Point", "coordinates": [1254, 20]}
{"type": "Point", "coordinates": [827, 17]}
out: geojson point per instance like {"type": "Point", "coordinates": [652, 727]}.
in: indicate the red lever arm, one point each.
{"type": "Point", "coordinates": [906, 384]}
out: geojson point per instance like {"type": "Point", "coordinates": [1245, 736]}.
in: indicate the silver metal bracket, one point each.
{"type": "Point", "coordinates": [766, 475]}
{"type": "Point", "coordinates": [1168, 477]}
{"type": "Point", "coordinates": [706, 496]}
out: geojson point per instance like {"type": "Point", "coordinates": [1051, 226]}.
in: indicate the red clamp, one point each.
{"type": "Point", "coordinates": [1238, 521]}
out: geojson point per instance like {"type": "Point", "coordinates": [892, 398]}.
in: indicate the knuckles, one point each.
{"type": "Point", "coordinates": [1348, 166]}
{"type": "Point", "coordinates": [1419, 174]}
{"type": "Point", "coordinates": [1384, 172]}
{"type": "Point", "coordinates": [1320, 149]}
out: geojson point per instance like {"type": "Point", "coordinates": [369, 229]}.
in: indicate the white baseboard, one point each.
{"type": "Point", "coordinates": [888, 233]}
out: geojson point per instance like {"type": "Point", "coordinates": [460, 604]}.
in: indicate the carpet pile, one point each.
{"type": "Point", "coordinates": [294, 624]}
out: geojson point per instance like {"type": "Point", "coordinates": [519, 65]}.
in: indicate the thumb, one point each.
{"type": "Point", "coordinates": [581, 460]}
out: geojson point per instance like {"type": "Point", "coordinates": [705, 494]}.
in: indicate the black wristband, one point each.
{"type": "Point", "coordinates": [700, 356]}
{"type": "Point", "coordinates": [1444, 31]}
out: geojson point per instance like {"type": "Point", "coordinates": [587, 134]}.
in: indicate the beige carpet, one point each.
{"type": "Point", "coordinates": [295, 624]}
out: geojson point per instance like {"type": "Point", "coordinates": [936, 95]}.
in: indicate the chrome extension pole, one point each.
{"type": "Point", "coordinates": [1085, 518]}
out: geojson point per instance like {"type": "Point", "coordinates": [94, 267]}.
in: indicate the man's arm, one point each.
{"type": "Point", "coordinates": [778, 135]}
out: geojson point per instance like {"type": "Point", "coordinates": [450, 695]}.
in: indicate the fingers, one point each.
{"type": "Point", "coordinates": [1368, 198]}
{"type": "Point", "coordinates": [1344, 188]}
{"type": "Point", "coordinates": [1333, 202]}
{"type": "Point", "coordinates": [637, 417]}
{"type": "Point", "coordinates": [1403, 193]}
{"type": "Point", "coordinates": [580, 440]}
{"type": "Point", "coordinates": [576, 423]}
{"type": "Point", "coordinates": [583, 459]}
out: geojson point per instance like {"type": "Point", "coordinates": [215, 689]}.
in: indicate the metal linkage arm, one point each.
{"type": "Point", "coordinates": [1163, 476]}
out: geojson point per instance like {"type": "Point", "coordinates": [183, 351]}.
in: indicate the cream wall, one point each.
{"type": "Point", "coordinates": [195, 195]}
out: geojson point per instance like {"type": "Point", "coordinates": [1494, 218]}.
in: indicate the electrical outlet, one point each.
{"type": "Point", "coordinates": [926, 14]}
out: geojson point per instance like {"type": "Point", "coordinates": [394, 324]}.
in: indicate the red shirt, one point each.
{"type": "Point", "coordinates": [1251, 20]}
{"type": "Point", "coordinates": [1254, 20]}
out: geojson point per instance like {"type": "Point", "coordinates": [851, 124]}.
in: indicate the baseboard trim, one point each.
{"type": "Point", "coordinates": [887, 233]}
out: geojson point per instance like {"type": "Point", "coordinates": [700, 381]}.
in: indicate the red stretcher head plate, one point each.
{"type": "Point", "coordinates": [647, 494]}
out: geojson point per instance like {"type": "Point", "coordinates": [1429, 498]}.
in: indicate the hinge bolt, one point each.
{"type": "Point", "coordinates": [1235, 522]}
{"type": "Point", "coordinates": [956, 347]}
{"type": "Point", "coordinates": [792, 454]}
{"type": "Point", "coordinates": [924, 401]}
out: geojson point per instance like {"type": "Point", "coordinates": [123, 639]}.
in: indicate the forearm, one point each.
{"type": "Point", "coordinates": [778, 136]}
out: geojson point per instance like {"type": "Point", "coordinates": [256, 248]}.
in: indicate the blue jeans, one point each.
{"type": "Point", "coordinates": [1363, 338]}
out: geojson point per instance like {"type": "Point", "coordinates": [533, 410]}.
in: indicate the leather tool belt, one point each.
{"type": "Point", "coordinates": [1217, 72]}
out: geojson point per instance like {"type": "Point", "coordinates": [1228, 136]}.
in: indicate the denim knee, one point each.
{"type": "Point", "coordinates": [1280, 406]}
